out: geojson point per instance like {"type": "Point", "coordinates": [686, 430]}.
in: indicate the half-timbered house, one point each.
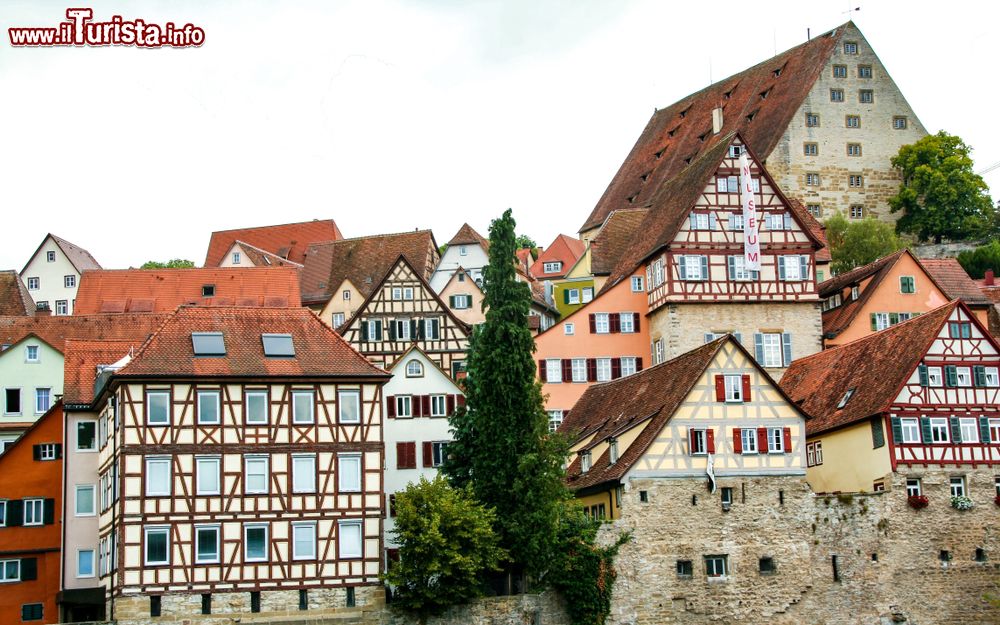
{"type": "Point", "coordinates": [691, 246]}
{"type": "Point", "coordinates": [915, 405]}
{"type": "Point", "coordinates": [240, 468]}
{"type": "Point", "coordinates": [710, 415]}
{"type": "Point", "coordinates": [402, 310]}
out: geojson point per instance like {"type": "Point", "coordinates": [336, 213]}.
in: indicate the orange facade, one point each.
{"type": "Point", "coordinates": [31, 497]}
{"type": "Point", "coordinates": [594, 343]}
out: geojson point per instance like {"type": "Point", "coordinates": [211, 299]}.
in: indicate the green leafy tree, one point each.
{"type": "Point", "coordinates": [446, 544]}
{"type": "Point", "coordinates": [977, 261]}
{"type": "Point", "coordinates": [501, 447]}
{"type": "Point", "coordinates": [176, 263]}
{"type": "Point", "coordinates": [524, 241]}
{"type": "Point", "coordinates": [941, 197]}
{"type": "Point", "coordinates": [857, 243]}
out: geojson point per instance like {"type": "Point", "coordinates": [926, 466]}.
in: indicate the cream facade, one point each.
{"type": "Point", "coordinates": [52, 278]}
{"type": "Point", "coordinates": [31, 376]}
{"type": "Point", "coordinates": [342, 305]}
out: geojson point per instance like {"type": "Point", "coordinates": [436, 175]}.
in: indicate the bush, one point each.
{"type": "Point", "coordinates": [977, 261]}
{"type": "Point", "coordinates": [857, 243]}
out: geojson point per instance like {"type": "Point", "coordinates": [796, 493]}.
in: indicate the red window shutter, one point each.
{"type": "Point", "coordinates": [762, 440]}
{"type": "Point", "coordinates": [428, 454]}
{"type": "Point", "coordinates": [591, 369]}
{"type": "Point", "coordinates": [710, 440]}
{"type": "Point", "coordinates": [451, 405]}
{"type": "Point", "coordinates": [690, 441]}
{"type": "Point", "coordinates": [638, 364]}
{"type": "Point", "coordinates": [403, 453]}
{"type": "Point", "coordinates": [391, 405]}
{"type": "Point", "coordinates": [426, 401]}
{"type": "Point", "coordinates": [737, 441]}
{"type": "Point", "coordinates": [786, 435]}
{"type": "Point", "coordinates": [616, 368]}
{"type": "Point", "coordinates": [541, 370]}
{"type": "Point", "coordinates": [635, 321]}
{"type": "Point", "coordinates": [460, 400]}
{"type": "Point", "coordinates": [746, 387]}
{"type": "Point", "coordinates": [567, 370]}
{"type": "Point", "coordinates": [720, 388]}
{"type": "Point", "coordinates": [614, 323]}
{"type": "Point", "coordinates": [593, 323]}
{"type": "Point", "coordinates": [415, 406]}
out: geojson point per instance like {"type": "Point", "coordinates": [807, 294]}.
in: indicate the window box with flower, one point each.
{"type": "Point", "coordinates": [917, 502]}
{"type": "Point", "coordinates": [961, 503]}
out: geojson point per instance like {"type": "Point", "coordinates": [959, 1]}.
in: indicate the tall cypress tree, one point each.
{"type": "Point", "coordinates": [501, 442]}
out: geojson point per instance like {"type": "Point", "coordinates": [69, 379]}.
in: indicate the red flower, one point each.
{"type": "Point", "coordinates": [920, 501]}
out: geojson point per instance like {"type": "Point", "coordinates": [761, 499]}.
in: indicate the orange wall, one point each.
{"type": "Point", "coordinates": [554, 343]}
{"type": "Point", "coordinates": [21, 476]}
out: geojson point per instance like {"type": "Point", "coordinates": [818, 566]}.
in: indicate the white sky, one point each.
{"type": "Point", "coordinates": [390, 115]}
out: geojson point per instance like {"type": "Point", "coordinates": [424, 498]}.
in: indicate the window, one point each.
{"type": "Point", "coordinates": [836, 95]}
{"type": "Point", "coordinates": [814, 454]}
{"type": "Point", "coordinates": [626, 322]}
{"type": "Point", "coordinates": [402, 328]}
{"type": "Point", "coordinates": [812, 120]}
{"type": "Point", "coordinates": [684, 568]}
{"type": "Point", "coordinates": [438, 453]}
{"type": "Point", "coordinates": [33, 284]}
{"type": "Point", "coordinates": [939, 430]}
{"type": "Point", "coordinates": [32, 611]}
{"type": "Point", "coordinates": [637, 286]}
{"type": "Point", "coordinates": [991, 377]}
{"type": "Point", "coordinates": [414, 369]}
{"type": "Point", "coordinates": [715, 566]}
{"type": "Point", "coordinates": [864, 71]}
{"type": "Point", "coordinates": [629, 365]}
{"type": "Point", "coordinates": [397, 292]}
{"type": "Point", "coordinates": [47, 451]}
{"type": "Point", "coordinates": [815, 209]}
{"type": "Point", "coordinates": [85, 563]}
{"type": "Point", "coordinates": [779, 221]}
{"type": "Point", "coordinates": [726, 496]}
{"type": "Point", "coordinates": [957, 485]}
{"type": "Point", "coordinates": [346, 295]}
{"type": "Point", "coordinates": [584, 461]}
{"type": "Point", "coordinates": [432, 329]}
{"type": "Point", "coordinates": [603, 369]}
{"type": "Point", "coordinates": [907, 284]}
{"type": "Point", "coordinates": [771, 350]}
{"type": "Point", "coordinates": [659, 351]}
{"type": "Point", "coordinates": [208, 407]}
{"type": "Point", "coordinates": [85, 500]}
{"type": "Point", "coordinates": [698, 442]}
{"type": "Point", "coordinates": [766, 566]}
{"type": "Point", "coordinates": [794, 267]}
{"type": "Point", "coordinates": [278, 345]}
{"type": "Point", "coordinates": [857, 211]}
{"type": "Point", "coordinates": [572, 296]}
{"type": "Point", "coordinates": [10, 570]}
{"type": "Point", "coordinates": [439, 405]}
{"type": "Point", "coordinates": [158, 473]}
{"type": "Point", "coordinates": [601, 323]}
{"type": "Point", "coordinates": [735, 150]}
{"type": "Point", "coordinates": [810, 149]}
{"type": "Point", "coordinates": [349, 406]}
{"type": "Point", "coordinates": [304, 473]}
{"type": "Point", "coordinates": [303, 541]}
{"type": "Point", "coordinates": [913, 487]}
{"type": "Point", "coordinates": [898, 123]}
{"type": "Point", "coordinates": [553, 371]}
{"type": "Point", "coordinates": [208, 290]}
{"type": "Point", "coordinates": [846, 398]}
{"type": "Point", "coordinates": [855, 181]}
{"type": "Point", "coordinates": [31, 353]}
{"type": "Point", "coordinates": [775, 441]}
{"type": "Point", "coordinates": [555, 419]}
{"type": "Point", "coordinates": [994, 425]}
{"type": "Point", "coordinates": [256, 475]}
{"type": "Point", "coordinates": [157, 548]}
{"type": "Point", "coordinates": [349, 539]}
{"type": "Point", "coordinates": [963, 376]}
{"type": "Point", "coordinates": [50, 257]}
{"type": "Point", "coordinates": [850, 47]}
{"type": "Point", "coordinates": [866, 96]}
{"type": "Point", "coordinates": [910, 430]}
{"type": "Point", "coordinates": [551, 267]}
{"type": "Point", "coordinates": [208, 344]}
{"type": "Point", "coordinates": [854, 149]}
{"type": "Point", "coordinates": [302, 407]}
{"type": "Point", "coordinates": [461, 302]}
{"type": "Point", "coordinates": [969, 429]}
{"type": "Point", "coordinates": [569, 329]}
{"type": "Point", "coordinates": [237, 257]}
{"type": "Point", "coordinates": [853, 121]}
{"type": "Point", "coordinates": [736, 222]}
{"type": "Point", "coordinates": [43, 398]}
{"type": "Point", "coordinates": [959, 329]}
{"type": "Point", "coordinates": [255, 542]}
{"type": "Point", "coordinates": [656, 273]}
{"type": "Point", "coordinates": [840, 71]}
{"type": "Point", "coordinates": [349, 467]}
{"type": "Point", "coordinates": [748, 437]}
{"type": "Point", "coordinates": [694, 267]}
{"type": "Point", "coordinates": [701, 221]}
{"type": "Point", "coordinates": [256, 406]}
{"type": "Point", "coordinates": [404, 406]}
{"type": "Point", "coordinates": [812, 180]}
{"type": "Point", "coordinates": [207, 474]}
{"type": "Point", "coordinates": [588, 294]}
{"type": "Point", "coordinates": [337, 319]}
{"type": "Point", "coordinates": [86, 436]}
{"type": "Point", "coordinates": [158, 407]}
{"type": "Point", "coordinates": [206, 544]}
{"type": "Point", "coordinates": [734, 388]}
{"type": "Point", "coordinates": [62, 308]}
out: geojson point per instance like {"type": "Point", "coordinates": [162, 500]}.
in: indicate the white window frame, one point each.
{"type": "Point", "coordinates": [734, 388]}
{"type": "Point", "coordinates": [342, 545]}
{"type": "Point", "coordinates": [699, 221]}
{"type": "Point", "coordinates": [402, 329]}
{"type": "Point", "coordinates": [20, 401]}
{"type": "Point", "coordinates": [432, 331]}
{"type": "Point", "coordinates": [159, 490]}
{"type": "Point", "coordinates": [793, 269]}
{"type": "Point", "coordinates": [963, 376]}
{"type": "Point", "coordinates": [992, 376]}
{"type": "Point", "coordinates": [307, 526]}
{"type": "Point", "coordinates": [602, 323]}
{"type": "Point", "coordinates": [439, 405]}
{"type": "Point", "coordinates": [354, 395]}
{"type": "Point", "coordinates": [414, 368]}
{"type": "Point", "coordinates": [578, 367]}
{"type": "Point", "coordinates": [637, 286]}
{"type": "Point", "coordinates": [740, 271]}
{"type": "Point", "coordinates": [569, 329]}
{"type": "Point", "coordinates": [210, 395]}
{"type": "Point", "coordinates": [208, 465]}
{"type": "Point", "coordinates": [47, 451]}
{"type": "Point", "coordinates": [263, 393]}
{"type": "Point", "coordinates": [463, 250]}
{"type": "Point", "coordinates": [914, 488]}
{"type": "Point", "coordinates": [938, 426]}
{"type": "Point", "coordinates": [62, 307]}
{"type": "Point", "coordinates": [34, 284]}
{"type": "Point", "coordinates": [748, 438]}
{"type": "Point", "coordinates": [39, 394]}
{"type": "Point", "coordinates": [957, 486]}
{"type": "Point", "coordinates": [657, 272]}
{"type": "Point", "coordinates": [32, 354]}
{"type": "Point", "coordinates": [712, 570]}
{"type": "Point", "coordinates": [256, 462]}
{"type": "Point", "coordinates": [603, 369]}
{"type": "Point", "coordinates": [626, 323]}
{"type": "Point", "coordinates": [76, 437]}
{"type": "Point", "coordinates": [149, 413]}
{"type": "Point", "coordinates": [772, 349]}
{"type": "Point", "coordinates": [397, 293]}
{"type": "Point", "coordinates": [910, 430]}
{"type": "Point", "coordinates": [574, 296]}
{"type": "Point", "coordinates": [10, 565]}
{"type": "Point", "coordinates": [407, 293]}
{"type": "Point", "coordinates": [587, 294]}
{"type": "Point", "coordinates": [556, 419]}
{"type": "Point", "coordinates": [629, 365]}
{"type": "Point", "coordinates": [692, 260]}
{"type": "Point", "coordinates": [93, 500]}
{"type": "Point", "coordinates": [299, 396]}
{"type": "Point", "coordinates": [198, 558]}
{"type": "Point", "coordinates": [237, 257]}
{"type": "Point", "coordinates": [155, 529]}
{"type": "Point", "coordinates": [303, 473]}
{"type": "Point", "coordinates": [776, 441]}
{"type": "Point", "coordinates": [585, 461]}
{"type": "Point", "coordinates": [698, 443]}
{"type": "Point", "coordinates": [553, 371]}
{"type": "Point", "coordinates": [969, 429]}
{"type": "Point", "coordinates": [246, 542]}
{"type": "Point", "coordinates": [80, 573]}
{"type": "Point", "coordinates": [343, 462]}
{"type": "Point", "coordinates": [404, 406]}
{"type": "Point", "coordinates": [337, 319]}
{"type": "Point", "coordinates": [374, 329]}
{"type": "Point", "coordinates": [935, 376]}
{"type": "Point", "coordinates": [551, 266]}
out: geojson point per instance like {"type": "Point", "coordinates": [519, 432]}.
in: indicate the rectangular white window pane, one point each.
{"type": "Point", "coordinates": [157, 408]}
{"type": "Point", "coordinates": [350, 540]}
{"type": "Point", "coordinates": [208, 476]}
{"type": "Point", "coordinates": [304, 474]}
{"type": "Point", "coordinates": [256, 407]}
{"type": "Point", "coordinates": [157, 476]}
{"type": "Point", "coordinates": [85, 500]}
{"type": "Point", "coordinates": [553, 370]}
{"type": "Point", "coordinates": [349, 468]}
{"type": "Point", "coordinates": [350, 406]}
{"type": "Point", "coordinates": [302, 404]}
{"type": "Point", "coordinates": [303, 541]}
{"type": "Point", "coordinates": [208, 407]}
{"type": "Point", "coordinates": [256, 475]}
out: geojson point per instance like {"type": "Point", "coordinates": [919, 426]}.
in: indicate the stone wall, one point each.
{"type": "Point", "coordinates": [542, 609]}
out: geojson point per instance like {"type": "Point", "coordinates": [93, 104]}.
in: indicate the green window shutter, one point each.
{"type": "Point", "coordinates": [732, 267]}
{"type": "Point", "coordinates": [565, 296]}
{"type": "Point", "coordinates": [897, 430]}
{"type": "Point", "coordinates": [878, 434]}
{"type": "Point", "coordinates": [924, 380]}
{"type": "Point", "coordinates": [786, 347]}
{"type": "Point", "coordinates": [874, 323]}
{"type": "Point", "coordinates": [758, 346]}
{"type": "Point", "coordinates": [364, 330]}
{"type": "Point", "coordinates": [979, 376]}
{"type": "Point", "coordinates": [451, 301]}
{"type": "Point", "coordinates": [781, 267]}
{"type": "Point", "coordinates": [925, 429]}
{"type": "Point", "coordinates": [950, 375]}
{"type": "Point", "coordinates": [984, 429]}
{"type": "Point", "coordinates": [893, 318]}
{"type": "Point", "coordinates": [803, 267]}
{"type": "Point", "coordinates": [956, 430]}
{"type": "Point", "coordinates": [704, 268]}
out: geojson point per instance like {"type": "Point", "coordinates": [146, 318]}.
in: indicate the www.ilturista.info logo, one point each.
{"type": "Point", "coordinates": [81, 30]}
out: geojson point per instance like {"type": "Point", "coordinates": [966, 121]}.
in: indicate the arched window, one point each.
{"type": "Point", "coordinates": [414, 369]}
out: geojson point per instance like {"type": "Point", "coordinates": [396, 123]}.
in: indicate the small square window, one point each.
{"type": "Point", "coordinates": [864, 71]}
{"type": "Point", "coordinates": [853, 121]}
{"type": "Point", "coordinates": [812, 120]}
{"type": "Point", "coordinates": [569, 329]}
{"type": "Point", "coordinates": [957, 485]}
{"type": "Point", "coordinates": [684, 567]}
{"type": "Point", "coordinates": [850, 47]}
{"type": "Point", "coordinates": [840, 71]}
{"type": "Point", "coordinates": [31, 353]}
{"type": "Point", "coordinates": [33, 284]}
{"type": "Point", "coordinates": [836, 95]}
{"type": "Point", "coordinates": [857, 211]}
{"type": "Point", "coordinates": [208, 290]}
{"type": "Point", "coordinates": [637, 286]}
{"type": "Point", "coordinates": [866, 96]}
{"type": "Point", "coordinates": [812, 180]}
{"type": "Point", "coordinates": [810, 149]}
{"type": "Point", "coordinates": [50, 257]}
{"type": "Point", "coordinates": [69, 281]}
{"type": "Point", "coordinates": [898, 123]}
{"type": "Point", "coordinates": [855, 181]}
{"type": "Point", "coordinates": [716, 566]}
{"type": "Point", "coordinates": [815, 210]}
{"type": "Point", "coordinates": [766, 566]}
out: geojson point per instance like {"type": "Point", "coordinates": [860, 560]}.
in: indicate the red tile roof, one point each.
{"type": "Point", "coordinates": [952, 279]}
{"type": "Point", "coordinates": [838, 319]}
{"type": "Point", "coordinates": [263, 258]}
{"type": "Point", "coordinates": [81, 359]}
{"type": "Point", "coordinates": [285, 240]}
{"type": "Point", "coordinates": [564, 249]}
{"type": "Point", "coordinates": [56, 330]}
{"type": "Point", "coordinates": [80, 258]}
{"type": "Point", "coordinates": [364, 261]}
{"type": "Point", "coordinates": [466, 235]}
{"type": "Point", "coordinates": [14, 297]}
{"type": "Point", "coordinates": [758, 102]}
{"type": "Point", "coordinates": [815, 228]}
{"type": "Point", "coordinates": [319, 351]}
{"type": "Point", "coordinates": [875, 366]}
{"type": "Point", "coordinates": [163, 290]}
{"type": "Point", "coordinates": [617, 234]}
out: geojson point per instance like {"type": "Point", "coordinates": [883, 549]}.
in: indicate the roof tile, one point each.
{"type": "Point", "coordinates": [284, 240]}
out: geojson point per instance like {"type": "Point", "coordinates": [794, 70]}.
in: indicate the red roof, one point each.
{"type": "Point", "coordinates": [319, 351]}
{"type": "Point", "coordinates": [758, 102]}
{"type": "Point", "coordinates": [466, 235]}
{"type": "Point", "coordinates": [875, 366]}
{"type": "Point", "coordinates": [14, 297]}
{"type": "Point", "coordinates": [56, 330]}
{"type": "Point", "coordinates": [617, 234]}
{"type": "Point", "coordinates": [564, 249]}
{"type": "Point", "coordinates": [163, 290]}
{"type": "Point", "coordinates": [80, 258]}
{"type": "Point", "coordinates": [285, 240]}
{"type": "Point", "coordinates": [81, 359]}
{"type": "Point", "coordinates": [952, 278]}
{"type": "Point", "coordinates": [263, 258]}
{"type": "Point", "coordinates": [838, 319]}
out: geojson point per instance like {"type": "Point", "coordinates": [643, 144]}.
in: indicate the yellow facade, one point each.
{"type": "Point", "coordinates": [339, 303]}
{"type": "Point", "coordinates": [849, 462]}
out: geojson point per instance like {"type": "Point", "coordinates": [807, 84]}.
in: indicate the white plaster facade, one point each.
{"type": "Point", "coordinates": [51, 277]}
{"type": "Point", "coordinates": [469, 256]}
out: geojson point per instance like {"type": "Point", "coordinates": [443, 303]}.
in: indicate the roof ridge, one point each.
{"type": "Point", "coordinates": [265, 252]}
{"type": "Point", "coordinates": [372, 236]}
{"type": "Point", "coordinates": [291, 223]}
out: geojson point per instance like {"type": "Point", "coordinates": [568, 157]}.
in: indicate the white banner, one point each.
{"type": "Point", "coordinates": [751, 242]}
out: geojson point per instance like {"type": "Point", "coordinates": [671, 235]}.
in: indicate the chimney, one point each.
{"type": "Point", "coordinates": [717, 120]}
{"type": "Point", "coordinates": [988, 278]}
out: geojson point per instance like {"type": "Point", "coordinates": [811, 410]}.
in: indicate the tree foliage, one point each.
{"type": "Point", "coordinates": [501, 448]}
{"type": "Point", "coordinates": [446, 543]}
{"type": "Point", "coordinates": [941, 197]}
{"type": "Point", "coordinates": [524, 241]}
{"type": "Point", "coordinates": [857, 243]}
{"type": "Point", "coordinates": [176, 263]}
{"type": "Point", "coordinates": [977, 261]}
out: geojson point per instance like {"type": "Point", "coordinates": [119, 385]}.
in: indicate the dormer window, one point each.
{"type": "Point", "coordinates": [846, 398]}
{"type": "Point", "coordinates": [278, 345]}
{"type": "Point", "coordinates": [552, 267]}
{"type": "Point", "coordinates": [613, 450]}
{"type": "Point", "coordinates": [208, 290]}
{"type": "Point", "coordinates": [585, 462]}
{"type": "Point", "coordinates": [237, 257]}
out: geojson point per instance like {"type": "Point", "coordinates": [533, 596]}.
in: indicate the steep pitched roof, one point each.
{"type": "Point", "coordinates": [80, 258]}
{"type": "Point", "coordinates": [617, 234]}
{"type": "Point", "coordinates": [759, 102]}
{"type": "Point", "coordinates": [838, 319]}
{"type": "Point", "coordinates": [466, 235]}
{"type": "Point", "coordinates": [284, 240]}
{"type": "Point", "coordinates": [416, 349]}
{"type": "Point", "coordinates": [953, 280]}
{"type": "Point", "coordinates": [564, 249]}
{"type": "Point", "coordinates": [875, 366]}
{"type": "Point", "coordinates": [363, 261]}
{"type": "Point", "coordinates": [163, 290]}
{"type": "Point", "coordinates": [319, 351]}
{"type": "Point", "coordinates": [81, 359]}
{"type": "Point", "coordinates": [14, 297]}
{"type": "Point", "coordinates": [263, 258]}
{"type": "Point", "coordinates": [56, 330]}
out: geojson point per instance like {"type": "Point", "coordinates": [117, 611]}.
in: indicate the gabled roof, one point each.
{"type": "Point", "coordinates": [416, 349]}
{"type": "Point", "coordinates": [263, 258]}
{"type": "Point", "coordinates": [875, 366]}
{"type": "Point", "coordinates": [284, 240]}
{"type": "Point", "coordinates": [616, 236]}
{"type": "Point", "coordinates": [466, 235]}
{"type": "Point", "coordinates": [363, 261]}
{"type": "Point", "coordinates": [564, 249]}
{"type": "Point", "coordinates": [954, 282]}
{"type": "Point", "coordinates": [80, 258]}
{"type": "Point", "coordinates": [759, 102]}
{"type": "Point", "coordinates": [163, 290]}
{"type": "Point", "coordinates": [56, 330]}
{"type": "Point", "coordinates": [838, 319]}
{"type": "Point", "coordinates": [524, 259]}
{"type": "Point", "coordinates": [14, 297]}
{"type": "Point", "coordinates": [319, 351]}
{"type": "Point", "coordinates": [81, 359]}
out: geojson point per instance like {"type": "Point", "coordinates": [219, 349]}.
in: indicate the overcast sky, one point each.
{"type": "Point", "coordinates": [393, 115]}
